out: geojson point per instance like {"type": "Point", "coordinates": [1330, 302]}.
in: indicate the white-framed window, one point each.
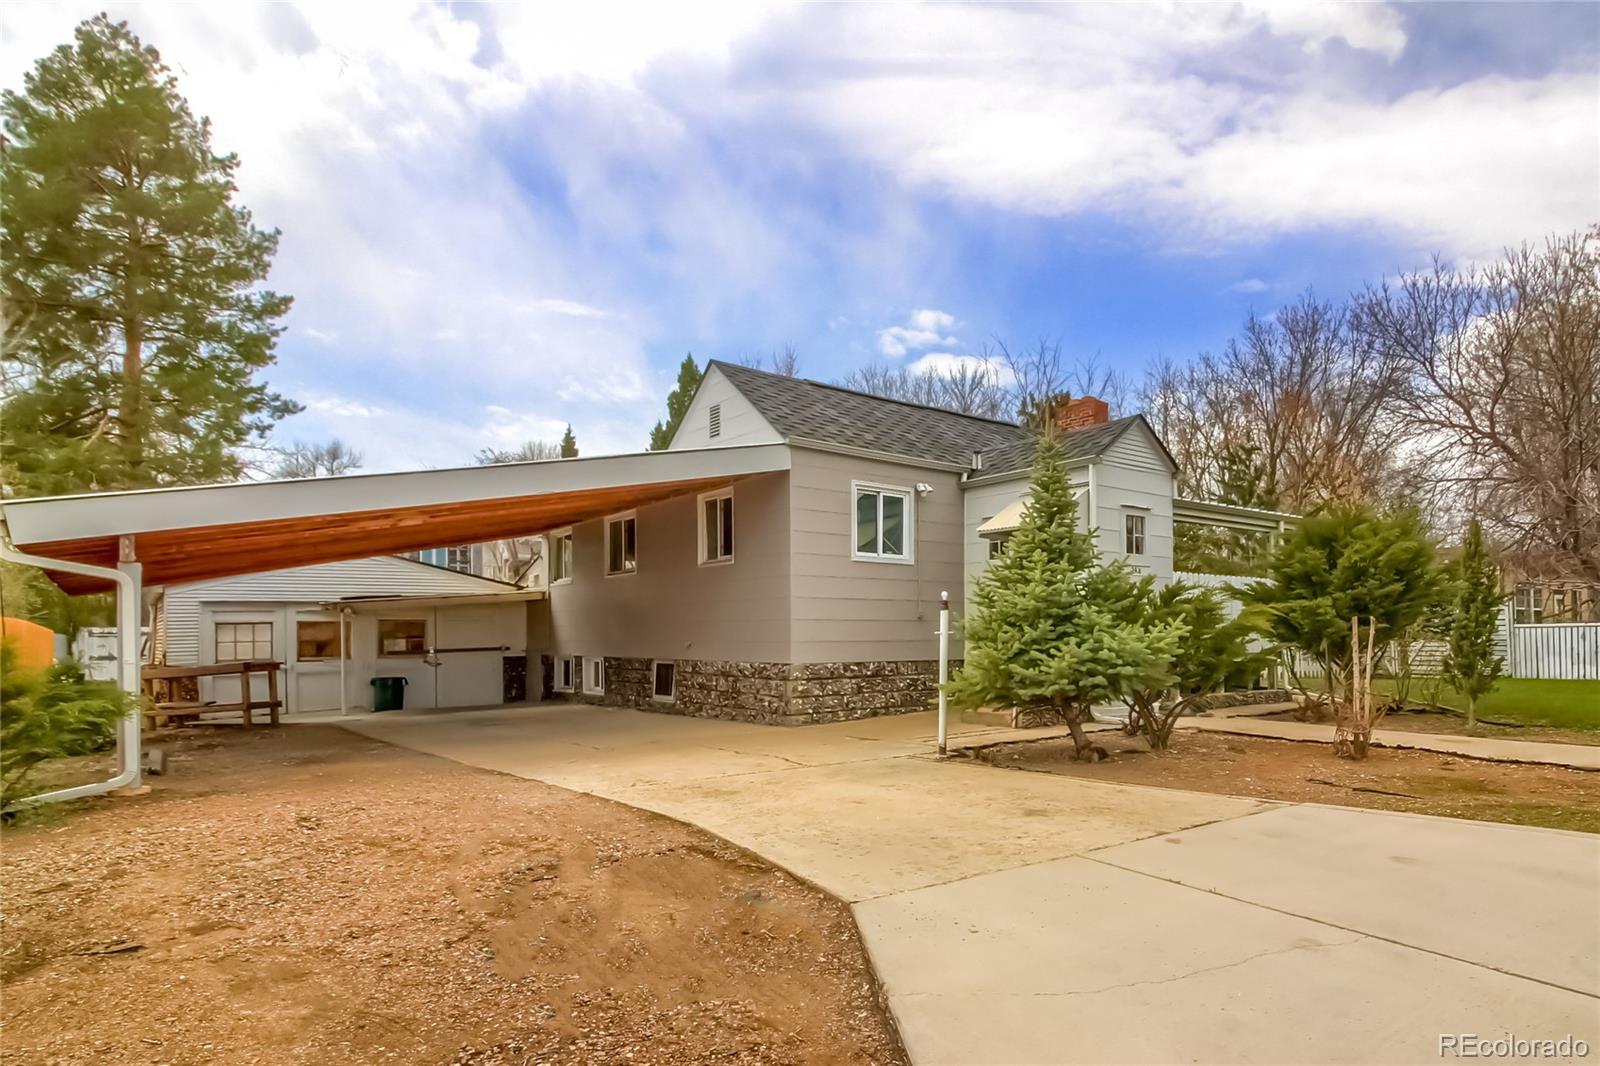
{"type": "Point", "coordinates": [664, 680]}
{"type": "Point", "coordinates": [564, 674]}
{"type": "Point", "coordinates": [239, 642]}
{"type": "Point", "coordinates": [716, 527]}
{"type": "Point", "coordinates": [714, 420]}
{"type": "Point", "coordinates": [560, 556]}
{"type": "Point", "coordinates": [594, 682]}
{"type": "Point", "coordinates": [1133, 534]}
{"type": "Point", "coordinates": [457, 557]}
{"type": "Point", "coordinates": [1527, 605]}
{"type": "Point", "coordinates": [882, 528]}
{"type": "Point", "coordinates": [622, 544]}
{"type": "Point", "coordinates": [996, 546]}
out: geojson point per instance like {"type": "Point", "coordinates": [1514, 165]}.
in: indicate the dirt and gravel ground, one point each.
{"type": "Point", "coordinates": [1422, 721]}
{"type": "Point", "coordinates": [307, 896]}
{"type": "Point", "coordinates": [1416, 781]}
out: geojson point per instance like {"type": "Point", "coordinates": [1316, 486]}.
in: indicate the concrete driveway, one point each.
{"type": "Point", "coordinates": [1025, 918]}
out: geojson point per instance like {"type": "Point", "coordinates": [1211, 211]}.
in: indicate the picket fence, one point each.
{"type": "Point", "coordinates": [1547, 650]}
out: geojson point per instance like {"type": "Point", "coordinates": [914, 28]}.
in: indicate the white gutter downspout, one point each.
{"type": "Point", "coordinates": [129, 755]}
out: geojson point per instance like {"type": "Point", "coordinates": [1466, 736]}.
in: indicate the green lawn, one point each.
{"type": "Point", "coordinates": [1562, 704]}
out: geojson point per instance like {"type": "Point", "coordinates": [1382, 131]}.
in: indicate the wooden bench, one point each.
{"type": "Point", "coordinates": [159, 680]}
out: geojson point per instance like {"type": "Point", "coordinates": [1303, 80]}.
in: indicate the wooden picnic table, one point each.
{"type": "Point", "coordinates": [158, 684]}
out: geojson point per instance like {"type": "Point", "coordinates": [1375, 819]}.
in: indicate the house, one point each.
{"type": "Point", "coordinates": [811, 593]}
{"type": "Point", "coordinates": [782, 561]}
{"type": "Point", "coordinates": [457, 639]}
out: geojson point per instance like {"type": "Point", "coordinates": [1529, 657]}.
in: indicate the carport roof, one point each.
{"type": "Point", "coordinates": [200, 532]}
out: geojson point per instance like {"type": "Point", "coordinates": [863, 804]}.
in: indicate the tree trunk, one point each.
{"type": "Point", "coordinates": [131, 408]}
{"type": "Point", "coordinates": [1472, 712]}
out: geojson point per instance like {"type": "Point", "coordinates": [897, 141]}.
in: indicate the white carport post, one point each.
{"type": "Point", "coordinates": [944, 665]}
{"type": "Point", "coordinates": [127, 577]}
{"type": "Point", "coordinates": [344, 655]}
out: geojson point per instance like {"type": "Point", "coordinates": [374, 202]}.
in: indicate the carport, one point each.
{"type": "Point", "coordinates": [129, 540]}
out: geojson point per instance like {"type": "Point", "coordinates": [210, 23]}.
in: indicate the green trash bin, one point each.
{"type": "Point", "coordinates": [389, 693]}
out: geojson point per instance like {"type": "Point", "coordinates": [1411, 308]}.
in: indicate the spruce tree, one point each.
{"type": "Point", "coordinates": [1470, 663]}
{"type": "Point", "coordinates": [569, 444]}
{"type": "Point", "coordinates": [689, 375]}
{"type": "Point", "coordinates": [1053, 629]}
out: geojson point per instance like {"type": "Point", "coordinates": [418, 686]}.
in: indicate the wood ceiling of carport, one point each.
{"type": "Point", "coordinates": [200, 553]}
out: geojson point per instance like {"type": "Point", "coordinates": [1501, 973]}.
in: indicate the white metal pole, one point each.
{"type": "Point", "coordinates": [344, 653]}
{"type": "Point", "coordinates": [944, 665]}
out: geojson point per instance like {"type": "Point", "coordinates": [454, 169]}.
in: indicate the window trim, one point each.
{"type": "Point", "coordinates": [343, 651]}
{"type": "Point", "coordinates": [606, 537]}
{"type": "Point", "coordinates": [670, 697]}
{"type": "Point", "coordinates": [700, 526]}
{"type": "Point", "coordinates": [557, 535]}
{"type": "Point", "coordinates": [1129, 537]}
{"type": "Point", "coordinates": [564, 662]}
{"type": "Point", "coordinates": [593, 663]}
{"type": "Point", "coordinates": [402, 654]}
{"type": "Point", "coordinates": [910, 556]}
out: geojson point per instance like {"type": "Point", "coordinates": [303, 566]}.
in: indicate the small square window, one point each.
{"type": "Point", "coordinates": [666, 679]}
{"type": "Point", "coordinates": [401, 637]}
{"type": "Point", "coordinates": [622, 545]}
{"type": "Point", "coordinates": [560, 556]}
{"type": "Point", "coordinates": [996, 546]}
{"type": "Point", "coordinates": [1133, 534]}
{"type": "Point", "coordinates": [238, 642]}
{"type": "Point", "coordinates": [716, 528]}
{"type": "Point", "coordinates": [882, 523]}
{"type": "Point", "coordinates": [316, 639]}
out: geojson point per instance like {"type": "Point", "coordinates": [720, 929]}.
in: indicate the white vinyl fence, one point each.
{"type": "Point", "coordinates": [1567, 650]}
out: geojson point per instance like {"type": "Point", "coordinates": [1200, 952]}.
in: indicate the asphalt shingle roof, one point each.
{"type": "Point", "coordinates": [830, 414]}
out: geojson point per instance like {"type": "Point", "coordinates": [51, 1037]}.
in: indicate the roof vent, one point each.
{"type": "Point", "coordinates": [977, 460]}
{"type": "Point", "coordinates": [716, 420]}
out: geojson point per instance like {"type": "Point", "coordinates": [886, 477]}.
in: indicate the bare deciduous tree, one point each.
{"type": "Point", "coordinates": [1504, 392]}
{"type": "Point", "coordinates": [318, 460]}
{"type": "Point", "coordinates": [530, 451]}
{"type": "Point", "coordinates": [786, 362]}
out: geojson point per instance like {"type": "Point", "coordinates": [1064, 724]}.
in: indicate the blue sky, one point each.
{"type": "Point", "coordinates": [501, 219]}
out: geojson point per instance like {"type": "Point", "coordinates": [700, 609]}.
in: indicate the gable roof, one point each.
{"type": "Point", "coordinates": [1077, 446]}
{"type": "Point", "coordinates": [805, 411]}
{"type": "Point", "coordinates": [802, 410]}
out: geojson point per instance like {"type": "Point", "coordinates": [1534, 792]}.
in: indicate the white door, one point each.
{"type": "Point", "coordinates": [314, 663]}
{"type": "Point", "coordinates": [469, 645]}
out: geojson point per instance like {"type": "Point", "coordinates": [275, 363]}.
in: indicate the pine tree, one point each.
{"type": "Point", "coordinates": [1470, 663]}
{"type": "Point", "coordinates": [569, 444]}
{"type": "Point", "coordinates": [1053, 630]}
{"type": "Point", "coordinates": [689, 375]}
{"type": "Point", "coordinates": [134, 320]}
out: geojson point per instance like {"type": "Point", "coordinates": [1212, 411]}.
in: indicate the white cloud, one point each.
{"type": "Point", "coordinates": [924, 328]}
{"type": "Point", "coordinates": [1249, 285]}
{"type": "Point", "coordinates": [571, 308]}
{"type": "Point", "coordinates": [945, 362]}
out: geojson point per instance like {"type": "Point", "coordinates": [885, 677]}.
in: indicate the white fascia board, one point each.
{"type": "Point", "coordinates": [35, 521]}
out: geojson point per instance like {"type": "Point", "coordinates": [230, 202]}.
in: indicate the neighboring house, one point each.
{"type": "Point", "coordinates": [514, 560]}
{"type": "Point", "coordinates": [459, 640]}
{"type": "Point", "coordinates": [811, 593]}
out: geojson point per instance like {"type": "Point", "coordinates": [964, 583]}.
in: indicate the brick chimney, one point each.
{"type": "Point", "coordinates": [1080, 412]}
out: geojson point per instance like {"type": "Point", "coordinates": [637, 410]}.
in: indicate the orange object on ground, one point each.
{"type": "Point", "coordinates": [35, 644]}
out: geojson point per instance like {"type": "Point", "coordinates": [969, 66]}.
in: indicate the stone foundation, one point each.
{"type": "Point", "coordinates": [777, 693]}
{"type": "Point", "coordinates": [1242, 698]}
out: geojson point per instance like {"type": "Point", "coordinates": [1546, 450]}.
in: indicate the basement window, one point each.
{"type": "Point", "coordinates": [564, 674]}
{"type": "Point", "coordinates": [622, 544]}
{"type": "Point", "coordinates": [666, 681]}
{"type": "Point", "coordinates": [714, 420]}
{"type": "Point", "coordinates": [594, 682]}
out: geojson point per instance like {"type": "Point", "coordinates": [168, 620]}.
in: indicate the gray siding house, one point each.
{"type": "Point", "coordinates": [811, 594]}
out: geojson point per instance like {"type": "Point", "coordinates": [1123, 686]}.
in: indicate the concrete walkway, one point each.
{"type": "Point", "coordinates": [1018, 917]}
{"type": "Point", "coordinates": [1577, 756]}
